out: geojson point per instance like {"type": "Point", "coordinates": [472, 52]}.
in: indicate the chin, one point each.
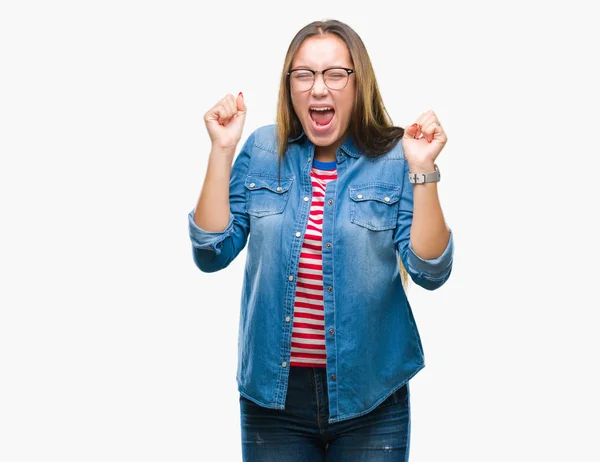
{"type": "Point", "coordinates": [321, 139]}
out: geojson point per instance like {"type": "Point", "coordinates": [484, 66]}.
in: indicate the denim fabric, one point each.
{"type": "Point", "coordinates": [372, 342]}
{"type": "Point", "coordinates": [301, 432]}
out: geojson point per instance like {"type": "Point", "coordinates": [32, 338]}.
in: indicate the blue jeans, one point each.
{"type": "Point", "coordinates": [301, 433]}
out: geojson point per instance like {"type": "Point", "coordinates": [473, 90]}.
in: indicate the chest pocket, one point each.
{"type": "Point", "coordinates": [374, 205]}
{"type": "Point", "coordinates": [266, 195]}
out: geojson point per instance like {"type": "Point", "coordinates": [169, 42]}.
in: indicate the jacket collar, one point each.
{"type": "Point", "coordinates": [348, 146]}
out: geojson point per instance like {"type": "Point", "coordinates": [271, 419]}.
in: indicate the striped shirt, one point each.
{"type": "Point", "coordinates": [308, 330]}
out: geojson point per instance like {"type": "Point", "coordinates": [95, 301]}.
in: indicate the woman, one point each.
{"type": "Point", "coordinates": [336, 213]}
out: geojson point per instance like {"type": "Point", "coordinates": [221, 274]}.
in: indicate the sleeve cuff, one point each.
{"type": "Point", "coordinates": [208, 240]}
{"type": "Point", "coordinates": [435, 268]}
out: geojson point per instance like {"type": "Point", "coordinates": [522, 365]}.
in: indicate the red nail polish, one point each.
{"type": "Point", "coordinates": [414, 125]}
{"type": "Point", "coordinates": [241, 94]}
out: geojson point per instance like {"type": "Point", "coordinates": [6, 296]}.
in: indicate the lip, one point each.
{"type": "Point", "coordinates": [321, 128]}
{"type": "Point", "coordinates": [320, 106]}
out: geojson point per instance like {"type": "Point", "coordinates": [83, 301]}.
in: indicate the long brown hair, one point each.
{"type": "Point", "coordinates": [370, 124]}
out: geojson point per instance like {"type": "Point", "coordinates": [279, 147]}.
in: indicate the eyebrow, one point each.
{"type": "Point", "coordinates": [302, 66]}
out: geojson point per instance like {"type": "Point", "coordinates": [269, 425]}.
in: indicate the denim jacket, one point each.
{"type": "Point", "coordinates": [371, 339]}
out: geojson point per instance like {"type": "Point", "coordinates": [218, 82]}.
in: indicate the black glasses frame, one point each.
{"type": "Point", "coordinates": [314, 73]}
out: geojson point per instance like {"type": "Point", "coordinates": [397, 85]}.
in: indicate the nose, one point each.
{"type": "Point", "coordinates": [319, 88]}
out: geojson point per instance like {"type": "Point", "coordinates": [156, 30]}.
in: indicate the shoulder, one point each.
{"type": "Point", "coordinates": [386, 170]}
{"type": "Point", "coordinates": [394, 154]}
{"type": "Point", "coordinates": [391, 159]}
{"type": "Point", "coordinates": [264, 138]}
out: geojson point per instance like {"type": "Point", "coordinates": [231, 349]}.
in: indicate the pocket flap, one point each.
{"type": "Point", "coordinates": [277, 185]}
{"type": "Point", "coordinates": [386, 194]}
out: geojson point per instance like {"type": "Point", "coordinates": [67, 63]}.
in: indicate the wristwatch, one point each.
{"type": "Point", "coordinates": [429, 177]}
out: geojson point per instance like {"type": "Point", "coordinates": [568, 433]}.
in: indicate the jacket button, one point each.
{"type": "Point", "coordinates": [329, 289]}
{"type": "Point", "coordinates": [279, 188]}
{"type": "Point", "coordinates": [306, 199]}
{"type": "Point", "coordinates": [387, 199]}
{"type": "Point", "coordinates": [360, 196]}
{"type": "Point", "coordinates": [328, 245]}
{"type": "Point", "coordinates": [284, 364]}
{"type": "Point", "coordinates": [298, 234]}
{"type": "Point", "coordinates": [330, 201]}
{"type": "Point", "coordinates": [287, 319]}
{"type": "Point", "coordinates": [252, 185]}
{"type": "Point", "coordinates": [331, 331]}
{"type": "Point", "coordinates": [332, 376]}
{"type": "Point", "coordinates": [290, 278]}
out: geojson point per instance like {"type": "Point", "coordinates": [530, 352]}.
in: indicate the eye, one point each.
{"type": "Point", "coordinates": [303, 75]}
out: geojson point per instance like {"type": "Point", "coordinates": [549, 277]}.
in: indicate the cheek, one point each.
{"type": "Point", "coordinates": [348, 102]}
{"type": "Point", "coordinates": [297, 103]}
{"type": "Point", "coordinates": [348, 106]}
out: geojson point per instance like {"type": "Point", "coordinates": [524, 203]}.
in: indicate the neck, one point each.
{"type": "Point", "coordinates": [324, 156]}
{"type": "Point", "coordinates": [327, 153]}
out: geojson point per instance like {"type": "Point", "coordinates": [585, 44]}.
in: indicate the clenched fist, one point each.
{"type": "Point", "coordinates": [225, 121]}
{"type": "Point", "coordinates": [423, 141]}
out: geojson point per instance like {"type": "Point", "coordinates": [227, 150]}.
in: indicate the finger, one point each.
{"type": "Point", "coordinates": [421, 122]}
{"type": "Point", "coordinates": [230, 109]}
{"type": "Point", "coordinates": [436, 131]}
{"type": "Point", "coordinates": [430, 118]}
{"type": "Point", "coordinates": [422, 118]}
{"type": "Point", "coordinates": [222, 113]}
{"type": "Point", "coordinates": [225, 113]}
{"type": "Point", "coordinates": [214, 112]}
{"type": "Point", "coordinates": [427, 120]}
{"type": "Point", "coordinates": [241, 103]}
{"type": "Point", "coordinates": [238, 106]}
{"type": "Point", "coordinates": [430, 130]}
{"type": "Point", "coordinates": [426, 117]}
{"type": "Point", "coordinates": [412, 131]}
{"type": "Point", "coordinates": [230, 104]}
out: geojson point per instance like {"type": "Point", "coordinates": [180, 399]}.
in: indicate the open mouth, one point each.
{"type": "Point", "coordinates": [321, 116]}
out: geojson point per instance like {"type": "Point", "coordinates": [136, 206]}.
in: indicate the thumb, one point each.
{"type": "Point", "coordinates": [411, 131]}
{"type": "Point", "coordinates": [241, 104]}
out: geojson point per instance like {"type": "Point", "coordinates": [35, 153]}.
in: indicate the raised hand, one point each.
{"type": "Point", "coordinates": [423, 141]}
{"type": "Point", "coordinates": [225, 121]}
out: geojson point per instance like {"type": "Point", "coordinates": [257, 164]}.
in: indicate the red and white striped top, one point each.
{"type": "Point", "coordinates": [308, 330]}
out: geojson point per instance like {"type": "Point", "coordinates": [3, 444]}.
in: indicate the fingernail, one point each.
{"type": "Point", "coordinates": [241, 94]}
{"type": "Point", "coordinates": [414, 125]}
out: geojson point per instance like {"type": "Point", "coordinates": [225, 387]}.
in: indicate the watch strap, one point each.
{"type": "Point", "coordinates": [429, 177]}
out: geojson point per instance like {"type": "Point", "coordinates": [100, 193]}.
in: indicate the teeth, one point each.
{"type": "Point", "coordinates": [320, 109]}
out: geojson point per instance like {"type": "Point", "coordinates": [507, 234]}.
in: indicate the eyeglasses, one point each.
{"type": "Point", "coordinates": [336, 78]}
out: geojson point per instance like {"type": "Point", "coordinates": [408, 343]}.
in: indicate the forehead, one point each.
{"type": "Point", "coordinates": [320, 51]}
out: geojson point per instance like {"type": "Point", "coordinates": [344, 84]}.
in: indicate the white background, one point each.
{"type": "Point", "coordinates": [114, 347]}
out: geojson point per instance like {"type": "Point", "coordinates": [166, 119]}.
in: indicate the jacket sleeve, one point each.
{"type": "Point", "coordinates": [429, 274]}
{"type": "Point", "coordinates": [213, 251]}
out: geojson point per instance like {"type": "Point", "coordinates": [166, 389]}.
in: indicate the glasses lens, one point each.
{"type": "Point", "coordinates": [301, 80]}
{"type": "Point", "coordinates": [336, 79]}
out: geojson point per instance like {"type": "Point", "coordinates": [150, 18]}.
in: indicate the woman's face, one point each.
{"type": "Point", "coordinates": [318, 53]}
